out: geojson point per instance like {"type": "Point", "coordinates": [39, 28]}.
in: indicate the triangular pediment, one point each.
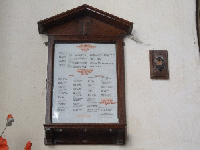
{"type": "Point", "coordinates": [84, 20]}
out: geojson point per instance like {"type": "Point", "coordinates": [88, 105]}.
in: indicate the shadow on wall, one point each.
{"type": "Point", "coordinates": [133, 36]}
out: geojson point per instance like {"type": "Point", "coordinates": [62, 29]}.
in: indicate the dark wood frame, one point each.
{"type": "Point", "coordinates": [78, 39]}
{"type": "Point", "coordinates": [60, 29]}
{"type": "Point", "coordinates": [198, 21]}
{"type": "Point", "coordinates": [120, 84]}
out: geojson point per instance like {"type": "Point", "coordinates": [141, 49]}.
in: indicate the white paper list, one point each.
{"type": "Point", "coordinates": [84, 83]}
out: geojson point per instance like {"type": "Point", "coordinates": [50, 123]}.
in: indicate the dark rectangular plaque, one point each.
{"type": "Point", "coordinates": [158, 64]}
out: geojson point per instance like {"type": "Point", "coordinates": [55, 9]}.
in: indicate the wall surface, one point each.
{"type": "Point", "coordinates": [161, 115]}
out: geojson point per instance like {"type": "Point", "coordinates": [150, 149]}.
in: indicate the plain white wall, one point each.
{"type": "Point", "coordinates": [161, 115]}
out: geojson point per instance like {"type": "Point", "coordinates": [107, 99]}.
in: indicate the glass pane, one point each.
{"type": "Point", "coordinates": [85, 83]}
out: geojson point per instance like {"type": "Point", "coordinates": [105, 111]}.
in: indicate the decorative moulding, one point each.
{"type": "Point", "coordinates": [80, 12]}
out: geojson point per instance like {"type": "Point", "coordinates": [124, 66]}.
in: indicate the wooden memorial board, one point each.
{"type": "Point", "coordinates": [85, 78]}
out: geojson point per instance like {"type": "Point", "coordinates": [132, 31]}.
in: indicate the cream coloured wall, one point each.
{"type": "Point", "coordinates": [161, 115]}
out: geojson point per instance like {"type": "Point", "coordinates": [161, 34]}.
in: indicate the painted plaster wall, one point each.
{"type": "Point", "coordinates": [161, 115]}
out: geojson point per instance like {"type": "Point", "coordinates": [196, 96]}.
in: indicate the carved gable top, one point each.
{"type": "Point", "coordinates": [69, 20]}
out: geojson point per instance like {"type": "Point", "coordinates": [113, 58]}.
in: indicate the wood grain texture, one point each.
{"type": "Point", "coordinates": [82, 11]}
{"type": "Point", "coordinates": [49, 79]}
{"type": "Point", "coordinates": [120, 81]}
{"type": "Point", "coordinates": [198, 20]}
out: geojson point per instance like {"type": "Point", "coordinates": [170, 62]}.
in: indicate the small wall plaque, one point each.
{"type": "Point", "coordinates": [85, 101]}
{"type": "Point", "coordinates": [158, 64]}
